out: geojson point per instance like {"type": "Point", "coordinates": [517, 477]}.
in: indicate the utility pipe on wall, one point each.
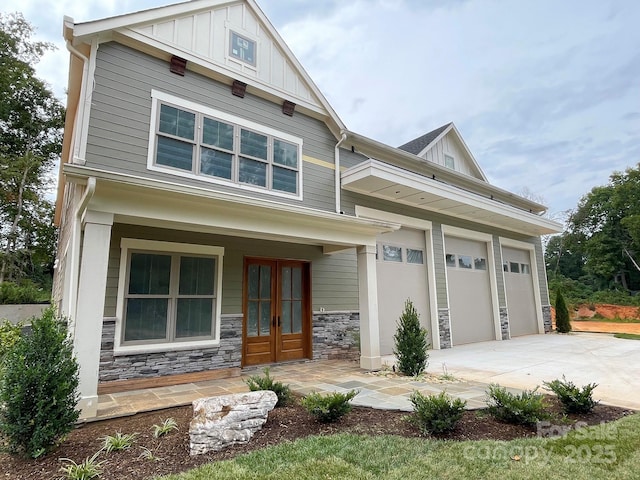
{"type": "Point", "coordinates": [343, 137]}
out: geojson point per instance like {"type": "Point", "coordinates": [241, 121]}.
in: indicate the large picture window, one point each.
{"type": "Point", "coordinates": [170, 293]}
{"type": "Point", "coordinates": [192, 140]}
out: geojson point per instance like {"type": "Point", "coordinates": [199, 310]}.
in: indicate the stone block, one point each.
{"type": "Point", "coordinates": [220, 422]}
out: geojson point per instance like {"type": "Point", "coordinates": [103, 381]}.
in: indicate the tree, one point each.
{"type": "Point", "coordinates": [410, 342]}
{"type": "Point", "coordinates": [31, 121]}
{"type": "Point", "coordinates": [563, 323]}
{"type": "Point", "coordinates": [606, 224]}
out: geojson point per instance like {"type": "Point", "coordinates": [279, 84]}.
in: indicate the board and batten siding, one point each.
{"type": "Point", "coordinates": [118, 137]}
{"type": "Point", "coordinates": [334, 278]}
{"type": "Point", "coordinates": [449, 145]}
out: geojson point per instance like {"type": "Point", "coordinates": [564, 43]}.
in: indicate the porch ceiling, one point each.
{"type": "Point", "coordinates": [378, 179]}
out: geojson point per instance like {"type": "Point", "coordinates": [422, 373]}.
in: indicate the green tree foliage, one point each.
{"type": "Point", "coordinates": [31, 121]}
{"type": "Point", "coordinates": [410, 342]}
{"type": "Point", "coordinates": [38, 389]}
{"type": "Point", "coordinates": [563, 324]}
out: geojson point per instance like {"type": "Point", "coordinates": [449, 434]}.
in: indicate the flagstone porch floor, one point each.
{"type": "Point", "coordinates": [376, 390]}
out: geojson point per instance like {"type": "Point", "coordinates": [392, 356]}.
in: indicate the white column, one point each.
{"type": "Point", "coordinates": [90, 307]}
{"type": "Point", "coordinates": [368, 298]}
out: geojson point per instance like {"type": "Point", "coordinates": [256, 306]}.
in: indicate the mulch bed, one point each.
{"type": "Point", "coordinates": [284, 424]}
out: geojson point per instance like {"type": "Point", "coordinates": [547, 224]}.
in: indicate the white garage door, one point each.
{"type": "Point", "coordinates": [470, 309]}
{"type": "Point", "coordinates": [401, 274]}
{"type": "Point", "coordinates": [518, 282]}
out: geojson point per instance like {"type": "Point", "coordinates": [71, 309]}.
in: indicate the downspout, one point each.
{"type": "Point", "coordinates": [79, 124]}
{"type": "Point", "coordinates": [343, 137]}
{"type": "Point", "coordinates": [87, 195]}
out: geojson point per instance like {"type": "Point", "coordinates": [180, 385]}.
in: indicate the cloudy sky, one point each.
{"type": "Point", "coordinates": [546, 93]}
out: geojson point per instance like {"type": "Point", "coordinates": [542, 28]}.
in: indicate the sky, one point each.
{"type": "Point", "coordinates": [545, 93]}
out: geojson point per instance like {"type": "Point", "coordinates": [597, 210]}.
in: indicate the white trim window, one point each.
{"type": "Point", "coordinates": [194, 141]}
{"type": "Point", "coordinates": [169, 296]}
{"type": "Point", "coordinates": [449, 162]}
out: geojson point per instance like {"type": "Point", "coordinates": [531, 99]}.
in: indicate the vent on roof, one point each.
{"type": "Point", "coordinates": [178, 65]}
{"type": "Point", "coordinates": [238, 88]}
{"type": "Point", "coordinates": [288, 108]}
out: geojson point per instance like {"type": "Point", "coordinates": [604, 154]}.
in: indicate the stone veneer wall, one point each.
{"type": "Point", "coordinates": [124, 367]}
{"type": "Point", "coordinates": [444, 330]}
{"type": "Point", "coordinates": [336, 335]}
{"type": "Point", "coordinates": [504, 323]}
{"type": "Point", "coordinates": [546, 318]}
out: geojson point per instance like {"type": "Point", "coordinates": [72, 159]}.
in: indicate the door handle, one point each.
{"type": "Point", "coordinates": [278, 320]}
{"type": "Point", "coordinates": [274, 321]}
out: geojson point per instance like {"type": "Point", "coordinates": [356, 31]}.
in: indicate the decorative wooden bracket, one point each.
{"type": "Point", "coordinates": [178, 65]}
{"type": "Point", "coordinates": [238, 88]}
{"type": "Point", "coordinates": [288, 108]}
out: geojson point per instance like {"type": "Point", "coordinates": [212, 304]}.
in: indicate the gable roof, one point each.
{"type": "Point", "coordinates": [417, 145]}
{"type": "Point", "coordinates": [147, 30]}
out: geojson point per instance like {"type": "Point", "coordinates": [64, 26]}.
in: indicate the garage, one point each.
{"type": "Point", "coordinates": [401, 274]}
{"type": "Point", "coordinates": [469, 286]}
{"type": "Point", "coordinates": [518, 281]}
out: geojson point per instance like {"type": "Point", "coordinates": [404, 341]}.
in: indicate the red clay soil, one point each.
{"type": "Point", "coordinates": [587, 312]}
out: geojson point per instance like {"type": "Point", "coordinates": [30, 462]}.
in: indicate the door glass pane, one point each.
{"type": "Point", "coordinates": [480, 263]}
{"type": "Point", "coordinates": [217, 134]}
{"type": "Point", "coordinates": [514, 267]}
{"type": "Point", "coordinates": [149, 274]}
{"type": "Point", "coordinates": [391, 254]}
{"type": "Point", "coordinates": [286, 283]}
{"type": "Point", "coordinates": [215, 163]}
{"type": "Point", "coordinates": [177, 122]}
{"type": "Point", "coordinates": [414, 256]}
{"type": "Point", "coordinates": [252, 172]}
{"type": "Point", "coordinates": [254, 281]}
{"type": "Point", "coordinates": [297, 317]}
{"type": "Point", "coordinates": [252, 319]}
{"type": "Point", "coordinates": [451, 260]}
{"type": "Point", "coordinates": [296, 281]}
{"type": "Point", "coordinates": [174, 153]}
{"type": "Point", "coordinates": [265, 318]}
{"type": "Point", "coordinates": [265, 281]}
{"type": "Point", "coordinates": [253, 144]}
{"type": "Point", "coordinates": [464, 261]}
{"type": "Point", "coordinates": [196, 275]}
{"type": "Point", "coordinates": [285, 153]}
{"type": "Point", "coordinates": [286, 316]}
{"type": "Point", "coordinates": [525, 268]}
{"type": "Point", "coordinates": [193, 318]}
{"type": "Point", "coordinates": [285, 180]}
{"type": "Point", "coordinates": [146, 319]}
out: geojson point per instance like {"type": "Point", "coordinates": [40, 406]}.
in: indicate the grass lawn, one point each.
{"type": "Point", "coordinates": [607, 320]}
{"type": "Point", "coordinates": [610, 451]}
{"type": "Point", "coordinates": [628, 336]}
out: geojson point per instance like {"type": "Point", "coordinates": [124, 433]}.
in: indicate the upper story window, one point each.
{"type": "Point", "coordinates": [242, 48]}
{"type": "Point", "coordinates": [192, 140]}
{"type": "Point", "coordinates": [449, 162]}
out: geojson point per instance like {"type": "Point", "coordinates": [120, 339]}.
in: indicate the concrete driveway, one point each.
{"type": "Point", "coordinates": [525, 362]}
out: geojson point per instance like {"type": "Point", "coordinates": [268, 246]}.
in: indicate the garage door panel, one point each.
{"type": "Point", "coordinates": [399, 279]}
{"type": "Point", "coordinates": [518, 280]}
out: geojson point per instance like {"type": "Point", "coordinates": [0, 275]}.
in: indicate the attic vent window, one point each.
{"type": "Point", "coordinates": [242, 48]}
{"type": "Point", "coordinates": [449, 162]}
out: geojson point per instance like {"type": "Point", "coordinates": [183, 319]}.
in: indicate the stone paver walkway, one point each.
{"type": "Point", "coordinates": [376, 391]}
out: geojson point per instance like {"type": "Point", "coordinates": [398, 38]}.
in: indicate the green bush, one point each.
{"type": "Point", "coordinates": [573, 399]}
{"type": "Point", "coordinates": [38, 389]}
{"type": "Point", "coordinates": [329, 407]}
{"type": "Point", "coordinates": [9, 335]}
{"type": "Point", "coordinates": [526, 408]}
{"type": "Point", "coordinates": [563, 324]}
{"type": "Point", "coordinates": [258, 382]}
{"type": "Point", "coordinates": [26, 292]}
{"type": "Point", "coordinates": [410, 342]}
{"type": "Point", "coordinates": [436, 413]}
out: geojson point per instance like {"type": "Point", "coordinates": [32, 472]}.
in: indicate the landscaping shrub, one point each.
{"type": "Point", "coordinates": [526, 408]}
{"type": "Point", "coordinates": [573, 399]}
{"type": "Point", "coordinates": [410, 342]}
{"type": "Point", "coordinates": [436, 413]}
{"type": "Point", "coordinates": [329, 407]}
{"type": "Point", "coordinates": [563, 325]}
{"type": "Point", "coordinates": [13, 294]}
{"type": "Point", "coordinates": [258, 382]}
{"type": "Point", "coordinates": [38, 388]}
{"type": "Point", "coordinates": [9, 335]}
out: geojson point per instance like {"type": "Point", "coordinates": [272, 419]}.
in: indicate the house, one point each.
{"type": "Point", "coordinates": [216, 213]}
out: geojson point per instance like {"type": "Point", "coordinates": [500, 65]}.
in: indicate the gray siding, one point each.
{"type": "Point", "coordinates": [120, 118]}
{"type": "Point", "coordinates": [497, 256]}
{"type": "Point", "coordinates": [334, 279]}
{"type": "Point", "coordinates": [542, 272]}
{"type": "Point", "coordinates": [439, 265]}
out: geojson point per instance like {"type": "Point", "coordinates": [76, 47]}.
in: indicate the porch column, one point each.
{"type": "Point", "coordinates": [90, 307]}
{"type": "Point", "coordinates": [368, 299]}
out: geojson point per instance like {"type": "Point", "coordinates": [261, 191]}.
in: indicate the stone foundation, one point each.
{"type": "Point", "coordinates": [336, 335]}
{"type": "Point", "coordinates": [504, 323]}
{"type": "Point", "coordinates": [546, 318]}
{"type": "Point", "coordinates": [444, 328]}
{"type": "Point", "coordinates": [126, 367]}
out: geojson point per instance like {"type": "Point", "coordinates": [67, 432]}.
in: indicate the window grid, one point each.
{"type": "Point", "coordinates": [465, 262]}
{"type": "Point", "coordinates": [198, 144]}
{"type": "Point", "coordinates": [407, 255]}
{"type": "Point", "coordinates": [173, 296]}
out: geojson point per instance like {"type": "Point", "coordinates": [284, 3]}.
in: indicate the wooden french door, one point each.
{"type": "Point", "coordinates": [277, 311]}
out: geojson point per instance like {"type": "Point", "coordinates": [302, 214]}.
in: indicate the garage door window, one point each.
{"type": "Point", "coordinates": [415, 256]}
{"type": "Point", "coordinates": [451, 260]}
{"type": "Point", "coordinates": [466, 262]}
{"type": "Point", "coordinates": [480, 263]}
{"type": "Point", "coordinates": [514, 267]}
{"type": "Point", "coordinates": [524, 268]}
{"type": "Point", "coordinates": [391, 253]}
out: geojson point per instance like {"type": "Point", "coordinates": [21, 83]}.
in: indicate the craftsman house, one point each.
{"type": "Point", "coordinates": [215, 212]}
